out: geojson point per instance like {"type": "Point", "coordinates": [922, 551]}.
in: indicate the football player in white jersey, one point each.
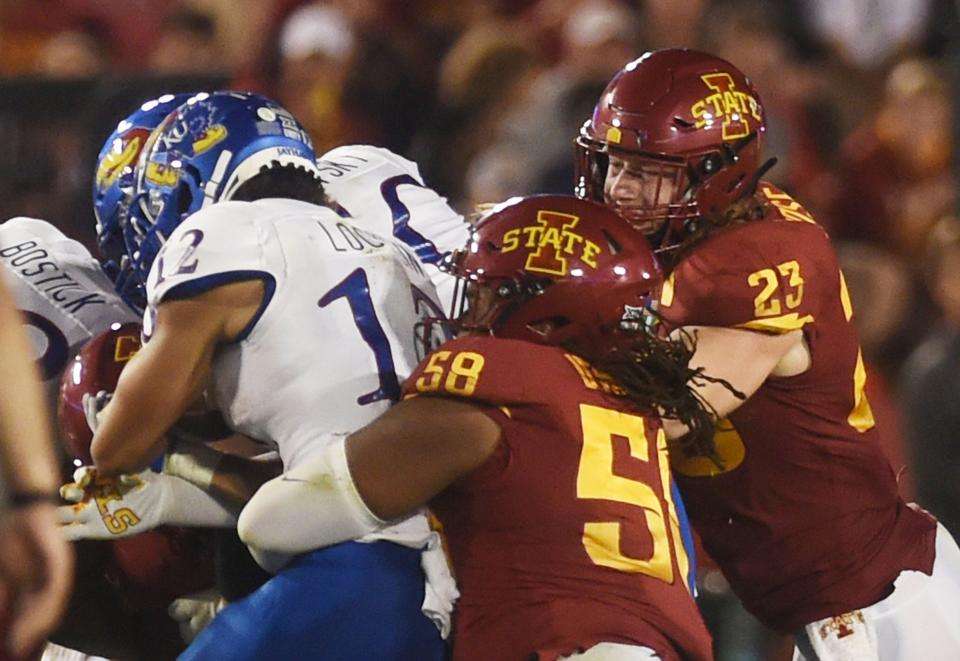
{"type": "Point", "coordinates": [64, 295]}
{"type": "Point", "coordinates": [384, 193]}
{"type": "Point", "coordinates": [299, 324]}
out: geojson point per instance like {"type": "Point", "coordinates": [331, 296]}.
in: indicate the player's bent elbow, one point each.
{"type": "Point", "coordinates": [259, 523]}
{"type": "Point", "coordinates": [112, 461]}
{"type": "Point", "coordinates": [313, 505]}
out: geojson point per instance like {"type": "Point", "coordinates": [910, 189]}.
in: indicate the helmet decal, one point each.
{"type": "Point", "coordinates": [161, 174]}
{"type": "Point", "coordinates": [126, 346]}
{"type": "Point", "coordinates": [211, 135]}
{"type": "Point", "coordinates": [123, 153]}
{"type": "Point", "coordinates": [201, 154]}
{"type": "Point", "coordinates": [114, 181]}
{"type": "Point", "coordinates": [727, 102]}
{"type": "Point", "coordinates": [551, 238]}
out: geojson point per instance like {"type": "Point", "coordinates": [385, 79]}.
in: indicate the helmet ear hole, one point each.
{"type": "Point", "coordinates": [711, 163]}
{"type": "Point", "coordinates": [184, 198]}
{"type": "Point", "coordinates": [506, 289]}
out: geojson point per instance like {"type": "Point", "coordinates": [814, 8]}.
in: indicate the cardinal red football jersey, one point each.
{"type": "Point", "coordinates": [804, 518]}
{"type": "Point", "coordinates": [569, 534]}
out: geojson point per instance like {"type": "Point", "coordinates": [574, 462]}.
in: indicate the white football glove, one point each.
{"type": "Point", "coordinates": [93, 406]}
{"type": "Point", "coordinates": [112, 507]}
{"type": "Point", "coordinates": [195, 611]}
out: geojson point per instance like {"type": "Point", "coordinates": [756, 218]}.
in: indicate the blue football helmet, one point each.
{"type": "Point", "coordinates": [201, 154]}
{"type": "Point", "coordinates": [113, 187]}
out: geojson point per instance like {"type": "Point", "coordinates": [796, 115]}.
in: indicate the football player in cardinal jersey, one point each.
{"type": "Point", "coordinates": [299, 324]}
{"type": "Point", "coordinates": [552, 485]}
{"type": "Point", "coordinates": [800, 507]}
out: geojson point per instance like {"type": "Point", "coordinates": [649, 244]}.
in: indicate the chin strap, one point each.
{"type": "Point", "coordinates": [758, 175]}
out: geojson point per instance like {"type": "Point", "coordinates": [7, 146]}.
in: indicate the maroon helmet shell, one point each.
{"type": "Point", "coordinates": [693, 116]}
{"type": "Point", "coordinates": [155, 567]}
{"type": "Point", "coordinates": [560, 269]}
{"type": "Point", "coordinates": [97, 367]}
{"type": "Point", "coordinates": [158, 566]}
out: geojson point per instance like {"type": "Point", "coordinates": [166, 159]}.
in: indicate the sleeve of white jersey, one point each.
{"type": "Point", "coordinates": [384, 193]}
{"type": "Point", "coordinates": [219, 245]}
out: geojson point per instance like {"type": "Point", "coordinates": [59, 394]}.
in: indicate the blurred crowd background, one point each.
{"type": "Point", "coordinates": [487, 96]}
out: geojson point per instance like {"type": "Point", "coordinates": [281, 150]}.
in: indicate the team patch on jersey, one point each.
{"type": "Point", "coordinates": [549, 241]}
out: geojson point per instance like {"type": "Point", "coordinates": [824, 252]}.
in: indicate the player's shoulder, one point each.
{"type": "Point", "coordinates": [768, 274]}
{"type": "Point", "coordinates": [31, 226]}
{"type": "Point", "coordinates": [785, 231]}
{"type": "Point", "coordinates": [352, 162]}
{"type": "Point", "coordinates": [221, 243]}
{"type": "Point", "coordinates": [235, 215]}
{"type": "Point", "coordinates": [504, 371]}
{"type": "Point", "coordinates": [46, 235]}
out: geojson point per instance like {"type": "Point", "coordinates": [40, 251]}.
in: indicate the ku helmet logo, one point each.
{"type": "Point", "coordinates": [123, 154]}
{"type": "Point", "coordinates": [550, 241]}
{"type": "Point", "coordinates": [726, 103]}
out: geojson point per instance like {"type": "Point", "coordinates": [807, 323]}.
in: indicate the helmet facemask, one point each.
{"type": "Point", "coordinates": [649, 191]}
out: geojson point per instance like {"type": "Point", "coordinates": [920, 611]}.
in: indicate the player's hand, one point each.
{"type": "Point", "coordinates": [112, 507]}
{"type": "Point", "coordinates": [93, 406]}
{"type": "Point", "coordinates": [36, 573]}
{"type": "Point", "coordinates": [195, 611]}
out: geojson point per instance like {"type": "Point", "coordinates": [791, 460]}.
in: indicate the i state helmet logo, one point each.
{"type": "Point", "coordinates": [735, 110]}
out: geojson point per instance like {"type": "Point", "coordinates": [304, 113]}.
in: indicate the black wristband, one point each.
{"type": "Point", "coordinates": [27, 498]}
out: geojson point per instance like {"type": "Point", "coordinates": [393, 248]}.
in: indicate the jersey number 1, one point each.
{"type": "Point", "coordinates": [356, 289]}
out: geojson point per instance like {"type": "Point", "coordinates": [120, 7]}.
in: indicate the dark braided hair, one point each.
{"type": "Point", "coordinates": [655, 372]}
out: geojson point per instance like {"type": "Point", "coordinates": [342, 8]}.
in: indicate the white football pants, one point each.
{"type": "Point", "coordinates": [919, 621]}
{"type": "Point", "coordinates": [614, 652]}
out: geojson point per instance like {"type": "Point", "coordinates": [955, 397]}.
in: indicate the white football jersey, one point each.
{"type": "Point", "coordinates": [384, 193]}
{"type": "Point", "coordinates": [335, 337]}
{"type": "Point", "coordinates": [63, 293]}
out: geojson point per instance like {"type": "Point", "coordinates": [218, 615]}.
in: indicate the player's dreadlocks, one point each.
{"type": "Point", "coordinates": [655, 372]}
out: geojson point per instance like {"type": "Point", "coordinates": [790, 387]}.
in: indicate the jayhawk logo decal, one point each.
{"type": "Point", "coordinates": [123, 154]}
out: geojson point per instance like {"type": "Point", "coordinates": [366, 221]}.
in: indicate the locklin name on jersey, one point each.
{"type": "Point", "coordinates": [33, 263]}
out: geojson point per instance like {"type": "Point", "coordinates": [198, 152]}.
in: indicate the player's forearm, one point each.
{"type": "Point", "coordinates": [25, 438]}
{"type": "Point", "coordinates": [232, 479]}
{"type": "Point", "coordinates": [130, 433]}
{"type": "Point", "coordinates": [237, 478]}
